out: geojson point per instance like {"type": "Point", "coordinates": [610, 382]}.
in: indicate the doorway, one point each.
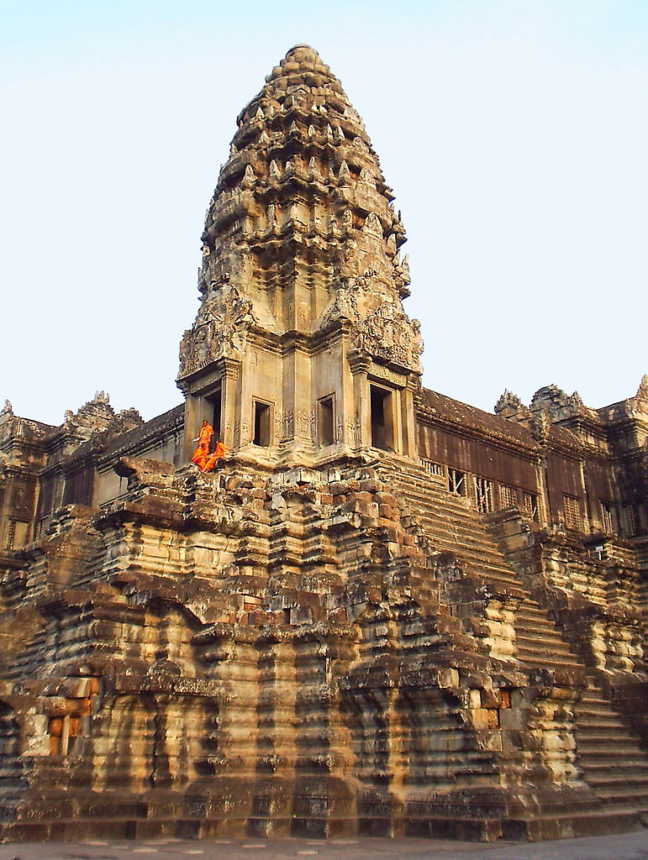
{"type": "Point", "coordinates": [381, 418]}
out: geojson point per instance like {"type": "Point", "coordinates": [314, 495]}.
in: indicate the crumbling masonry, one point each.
{"type": "Point", "coordinates": [387, 612]}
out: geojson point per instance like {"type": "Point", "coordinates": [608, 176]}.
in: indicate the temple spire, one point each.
{"type": "Point", "coordinates": [300, 238]}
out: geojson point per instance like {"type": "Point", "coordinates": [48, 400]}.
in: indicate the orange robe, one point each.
{"type": "Point", "coordinates": [201, 456]}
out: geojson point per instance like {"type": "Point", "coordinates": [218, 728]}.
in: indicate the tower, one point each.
{"type": "Point", "coordinates": [301, 351]}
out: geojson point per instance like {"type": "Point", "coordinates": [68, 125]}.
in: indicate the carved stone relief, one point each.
{"type": "Point", "coordinates": [390, 334]}
{"type": "Point", "coordinates": [220, 329]}
{"type": "Point", "coordinates": [381, 328]}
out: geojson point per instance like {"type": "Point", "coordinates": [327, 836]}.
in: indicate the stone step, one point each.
{"type": "Point", "coordinates": [621, 773]}
{"type": "Point", "coordinates": [592, 710]}
{"type": "Point", "coordinates": [632, 754]}
{"type": "Point", "coordinates": [588, 726]}
{"type": "Point", "coordinates": [595, 739]}
{"type": "Point", "coordinates": [623, 792]}
{"type": "Point", "coordinates": [524, 637]}
{"type": "Point", "coordinates": [460, 529]}
{"type": "Point", "coordinates": [595, 699]}
{"type": "Point", "coordinates": [442, 504]}
{"type": "Point", "coordinates": [547, 633]}
{"type": "Point", "coordinates": [541, 646]}
{"type": "Point", "coordinates": [536, 624]}
{"type": "Point", "coordinates": [542, 659]}
{"type": "Point", "coordinates": [534, 612]}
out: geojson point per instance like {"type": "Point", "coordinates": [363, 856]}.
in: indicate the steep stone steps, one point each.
{"type": "Point", "coordinates": [539, 641]}
{"type": "Point", "coordinates": [455, 527]}
{"type": "Point", "coordinates": [614, 764]}
{"type": "Point", "coordinates": [456, 522]}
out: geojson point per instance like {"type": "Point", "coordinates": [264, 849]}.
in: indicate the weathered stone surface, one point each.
{"type": "Point", "coordinates": [385, 612]}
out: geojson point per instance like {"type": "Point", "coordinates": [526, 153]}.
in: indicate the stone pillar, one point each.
{"type": "Point", "coordinates": [360, 365]}
{"type": "Point", "coordinates": [542, 491]}
{"type": "Point", "coordinates": [194, 413]}
{"type": "Point", "coordinates": [396, 418]}
{"type": "Point", "coordinates": [230, 402]}
{"type": "Point", "coordinates": [297, 401]}
{"type": "Point", "coordinates": [408, 418]}
{"type": "Point", "coordinates": [587, 511]}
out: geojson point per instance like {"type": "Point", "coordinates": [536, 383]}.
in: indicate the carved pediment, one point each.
{"type": "Point", "coordinates": [220, 329]}
{"type": "Point", "coordinates": [380, 327]}
{"type": "Point", "coordinates": [389, 334]}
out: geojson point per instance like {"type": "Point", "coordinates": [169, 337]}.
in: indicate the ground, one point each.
{"type": "Point", "coordinates": [628, 846]}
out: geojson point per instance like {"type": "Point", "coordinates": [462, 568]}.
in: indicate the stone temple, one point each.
{"type": "Point", "coordinates": [386, 612]}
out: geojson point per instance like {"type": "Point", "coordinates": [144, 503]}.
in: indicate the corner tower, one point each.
{"type": "Point", "coordinates": [301, 352]}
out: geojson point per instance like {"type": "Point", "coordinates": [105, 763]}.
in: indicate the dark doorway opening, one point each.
{"type": "Point", "coordinates": [381, 426]}
{"type": "Point", "coordinates": [326, 421]}
{"type": "Point", "coordinates": [215, 403]}
{"type": "Point", "coordinates": [261, 424]}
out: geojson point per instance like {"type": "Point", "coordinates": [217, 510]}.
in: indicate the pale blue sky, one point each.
{"type": "Point", "coordinates": [514, 134]}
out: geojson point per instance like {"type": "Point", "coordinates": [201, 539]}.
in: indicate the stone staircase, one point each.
{"type": "Point", "coordinates": [612, 761]}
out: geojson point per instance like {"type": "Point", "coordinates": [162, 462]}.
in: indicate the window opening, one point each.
{"type": "Point", "coordinates": [508, 497]}
{"type": "Point", "coordinates": [261, 424]}
{"type": "Point", "coordinates": [484, 495]}
{"type": "Point", "coordinates": [572, 512]}
{"type": "Point", "coordinates": [530, 504]}
{"type": "Point", "coordinates": [215, 401]}
{"type": "Point", "coordinates": [381, 436]}
{"type": "Point", "coordinates": [431, 467]}
{"type": "Point", "coordinates": [630, 520]}
{"type": "Point", "coordinates": [607, 520]}
{"type": "Point", "coordinates": [457, 482]}
{"type": "Point", "coordinates": [326, 421]}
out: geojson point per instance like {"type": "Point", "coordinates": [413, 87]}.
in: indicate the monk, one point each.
{"type": "Point", "coordinates": [202, 457]}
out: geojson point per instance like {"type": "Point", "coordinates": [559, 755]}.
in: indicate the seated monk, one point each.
{"type": "Point", "coordinates": [202, 457]}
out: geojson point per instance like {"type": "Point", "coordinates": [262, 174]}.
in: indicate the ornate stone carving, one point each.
{"type": "Point", "coordinates": [346, 302]}
{"type": "Point", "coordinates": [93, 417]}
{"type": "Point", "coordinates": [540, 427]}
{"type": "Point", "coordinates": [557, 403]}
{"type": "Point", "coordinates": [389, 334]}
{"type": "Point", "coordinates": [510, 406]}
{"type": "Point", "coordinates": [381, 328]}
{"type": "Point", "coordinates": [220, 329]}
{"type": "Point", "coordinates": [508, 401]}
{"type": "Point", "coordinates": [354, 429]}
{"type": "Point", "coordinates": [642, 391]}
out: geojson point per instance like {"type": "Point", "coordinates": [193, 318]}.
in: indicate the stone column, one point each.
{"type": "Point", "coordinates": [360, 364]}
{"type": "Point", "coordinates": [230, 401]}
{"type": "Point", "coordinates": [408, 417]}
{"type": "Point", "coordinates": [587, 509]}
{"type": "Point", "coordinates": [544, 505]}
{"type": "Point", "coordinates": [193, 416]}
{"type": "Point", "coordinates": [297, 401]}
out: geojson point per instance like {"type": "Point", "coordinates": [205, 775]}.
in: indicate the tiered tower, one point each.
{"type": "Point", "coordinates": [301, 350]}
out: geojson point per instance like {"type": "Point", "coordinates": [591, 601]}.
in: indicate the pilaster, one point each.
{"type": "Point", "coordinates": [360, 364]}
